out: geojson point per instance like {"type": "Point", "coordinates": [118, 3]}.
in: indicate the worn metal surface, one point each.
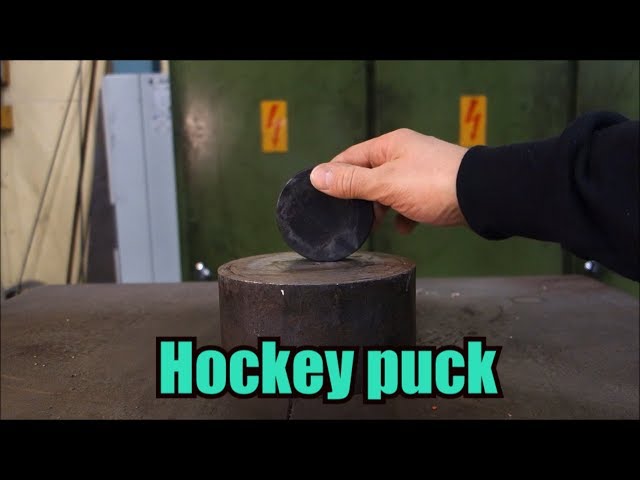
{"type": "Point", "coordinates": [570, 350]}
{"type": "Point", "coordinates": [366, 299]}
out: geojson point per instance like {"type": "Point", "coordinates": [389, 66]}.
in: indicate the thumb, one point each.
{"type": "Point", "coordinates": [343, 180]}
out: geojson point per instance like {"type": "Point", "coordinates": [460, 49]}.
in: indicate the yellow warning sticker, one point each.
{"type": "Point", "coordinates": [273, 126]}
{"type": "Point", "coordinates": [473, 120]}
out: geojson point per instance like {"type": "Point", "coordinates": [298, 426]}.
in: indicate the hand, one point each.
{"type": "Point", "coordinates": [413, 174]}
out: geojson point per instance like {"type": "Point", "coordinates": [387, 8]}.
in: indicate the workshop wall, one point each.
{"type": "Point", "coordinates": [234, 154]}
{"type": "Point", "coordinates": [229, 187]}
{"type": "Point", "coordinates": [39, 92]}
{"type": "Point", "coordinates": [229, 174]}
{"type": "Point", "coordinates": [524, 100]}
{"type": "Point", "coordinates": [609, 85]}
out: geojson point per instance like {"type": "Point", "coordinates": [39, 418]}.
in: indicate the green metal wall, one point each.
{"type": "Point", "coordinates": [227, 187]}
{"type": "Point", "coordinates": [609, 85]}
{"type": "Point", "coordinates": [525, 100]}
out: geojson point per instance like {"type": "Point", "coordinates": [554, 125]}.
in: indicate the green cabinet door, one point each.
{"type": "Point", "coordinates": [526, 100]}
{"type": "Point", "coordinates": [227, 186]}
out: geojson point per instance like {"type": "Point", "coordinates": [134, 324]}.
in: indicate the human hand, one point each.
{"type": "Point", "coordinates": [412, 173]}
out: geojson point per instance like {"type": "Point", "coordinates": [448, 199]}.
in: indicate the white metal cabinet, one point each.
{"type": "Point", "coordinates": [140, 158]}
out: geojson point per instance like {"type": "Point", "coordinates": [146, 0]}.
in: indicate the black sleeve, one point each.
{"type": "Point", "coordinates": [579, 189]}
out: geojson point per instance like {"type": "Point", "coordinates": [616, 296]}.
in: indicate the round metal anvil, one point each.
{"type": "Point", "coordinates": [367, 299]}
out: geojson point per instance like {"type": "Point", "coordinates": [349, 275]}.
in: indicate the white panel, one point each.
{"type": "Point", "coordinates": [161, 185]}
{"type": "Point", "coordinates": [127, 177]}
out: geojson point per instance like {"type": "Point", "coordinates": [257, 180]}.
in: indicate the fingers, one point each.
{"type": "Point", "coordinates": [379, 212]}
{"type": "Point", "coordinates": [342, 180]}
{"type": "Point", "coordinates": [404, 225]}
{"type": "Point", "coordinates": [370, 153]}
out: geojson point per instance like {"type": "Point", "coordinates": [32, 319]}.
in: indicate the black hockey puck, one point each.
{"type": "Point", "coordinates": [320, 227]}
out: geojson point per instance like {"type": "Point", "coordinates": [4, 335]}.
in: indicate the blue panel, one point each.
{"type": "Point", "coordinates": [135, 66]}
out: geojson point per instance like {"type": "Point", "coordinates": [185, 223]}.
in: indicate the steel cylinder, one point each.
{"type": "Point", "coordinates": [367, 299]}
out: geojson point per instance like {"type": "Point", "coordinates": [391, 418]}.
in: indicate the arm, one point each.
{"type": "Point", "coordinates": [579, 189]}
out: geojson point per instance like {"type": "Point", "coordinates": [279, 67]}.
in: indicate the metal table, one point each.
{"type": "Point", "coordinates": [570, 350]}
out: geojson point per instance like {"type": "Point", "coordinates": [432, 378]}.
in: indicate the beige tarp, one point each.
{"type": "Point", "coordinates": [39, 93]}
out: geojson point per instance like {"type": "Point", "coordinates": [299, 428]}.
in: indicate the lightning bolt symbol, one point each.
{"type": "Point", "coordinates": [276, 126]}
{"type": "Point", "coordinates": [272, 114]}
{"type": "Point", "coordinates": [470, 117]}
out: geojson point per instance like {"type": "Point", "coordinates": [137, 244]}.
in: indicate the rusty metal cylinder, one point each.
{"type": "Point", "coordinates": [367, 299]}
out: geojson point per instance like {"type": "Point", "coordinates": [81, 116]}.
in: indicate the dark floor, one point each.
{"type": "Point", "coordinates": [570, 350]}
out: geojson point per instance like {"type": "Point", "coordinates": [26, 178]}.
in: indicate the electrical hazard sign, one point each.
{"type": "Point", "coordinates": [273, 122]}
{"type": "Point", "coordinates": [473, 120]}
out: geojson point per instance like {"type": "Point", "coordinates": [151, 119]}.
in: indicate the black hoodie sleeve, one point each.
{"type": "Point", "coordinates": [579, 189]}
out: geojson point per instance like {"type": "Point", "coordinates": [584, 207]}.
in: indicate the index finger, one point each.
{"type": "Point", "coordinates": [370, 153]}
